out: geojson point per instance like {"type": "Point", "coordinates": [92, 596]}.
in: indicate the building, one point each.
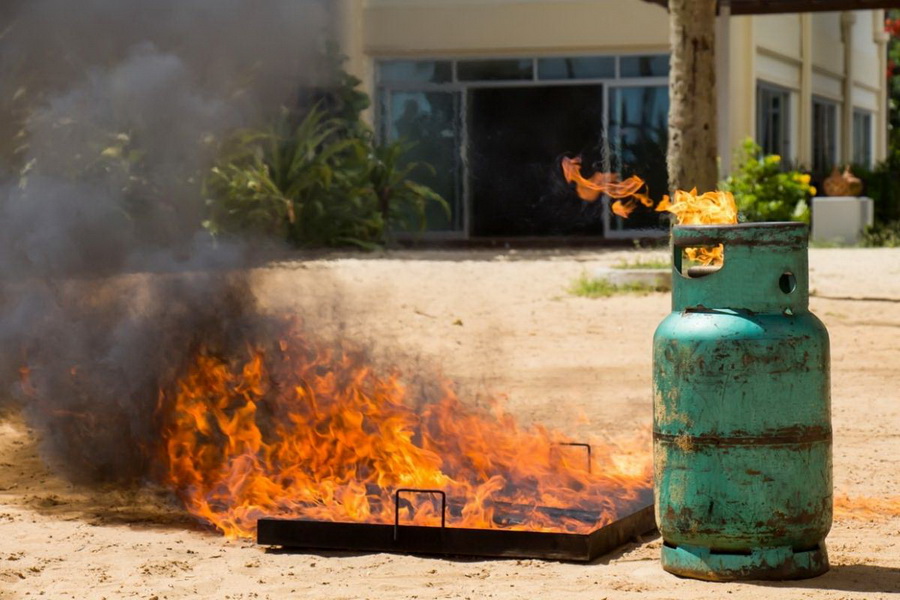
{"type": "Point", "coordinates": [495, 91]}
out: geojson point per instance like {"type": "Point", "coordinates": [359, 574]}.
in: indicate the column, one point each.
{"type": "Point", "coordinates": [804, 149]}
{"type": "Point", "coordinates": [723, 85]}
{"type": "Point", "coordinates": [847, 21]}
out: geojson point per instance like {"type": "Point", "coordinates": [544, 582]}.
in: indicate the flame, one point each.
{"type": "Point", "coordinates": [711, 208]}
{"type": "Point", "coordinates": [689, 208]}
{"type": "Point", "coordinates": [609, 184]}
{"type": "Point", "coordinates": [299, 429]}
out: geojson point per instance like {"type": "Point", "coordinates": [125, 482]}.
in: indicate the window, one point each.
{"type": "Point", "coordinates": [590, 67]}
{"type": "Point", "coordinates": [862, 137]}
{"type": "Point", "coordinates": [494, 129]}
{"type": "Point", "coordinates": [824, 135]}
{"type": "Point", "coordinates": [494, 70]}
{"type": "Point", "coordinates": [638, 138]}
{"type": "Point", "coordinates": [644, 66]}
{"type": "Point", "coordinates": [773, 119]}
{"type": "Point", "coordinates": [430, 120]}
{"type": "Point", "coordinates": [425, 71]}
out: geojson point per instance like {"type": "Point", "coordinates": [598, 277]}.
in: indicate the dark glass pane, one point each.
{"type": "Point", "coordinates": [516, 138]}
{"type": "Point", "coordinates": [772, 125]}
{"type": "Point", "coordinates": [761, 116]}
{"type": "Point", "coordinates": [592, 67]}
{"type": "Point", "coordinates": [862, 138]}
{"type": "Point", "coordinates": [638, 137]}
{"type": "Point", "coordinates": [776, 118]}
{"type": "Point", "coordinates": [644, 66]}
{"type": "Point", "coordinates": [428, 71]}
{"type": "Point", "coordinates": [824, 134]}
{"type": "Point", "coordinates": [494, 70]}
{"type": "Point", "coordinates": [430, 120]}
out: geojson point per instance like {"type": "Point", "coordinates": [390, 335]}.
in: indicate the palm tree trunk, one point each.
{"type": "Point", "coordinates": [692, 154]}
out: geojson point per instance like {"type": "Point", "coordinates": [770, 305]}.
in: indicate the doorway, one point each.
{"type": "Point", "coordinates": [516, 137]}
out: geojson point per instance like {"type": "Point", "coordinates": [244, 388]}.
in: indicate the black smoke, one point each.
{"type": "Point", "coordinates": [111, 112]}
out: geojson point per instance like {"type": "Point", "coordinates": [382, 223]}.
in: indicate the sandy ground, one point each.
{"type": "Point", "coordinates": [495, 322]}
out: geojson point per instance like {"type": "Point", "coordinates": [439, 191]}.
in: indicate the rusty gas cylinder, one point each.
{"type": "Point", "coordinates": [742, 415]}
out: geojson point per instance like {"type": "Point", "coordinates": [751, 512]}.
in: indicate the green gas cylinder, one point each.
{"type": "Point", "coordinates": [742, 410]}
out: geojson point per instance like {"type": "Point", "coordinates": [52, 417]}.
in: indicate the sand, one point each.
{"type": "Point", "coordinates": [498, 322]}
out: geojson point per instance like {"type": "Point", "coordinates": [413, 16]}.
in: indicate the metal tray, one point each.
{"type": "Point", "coordinates": [453, 541]}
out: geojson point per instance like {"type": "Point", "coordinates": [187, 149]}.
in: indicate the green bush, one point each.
{"type": "Point", "coordinates": [882, 184]}
{"type": "Point", "coordinates": [885, 235]}
{"type": "Point", "coordinates": [764, 192]}
{"type": "Point", "coordinates": [317, 178]}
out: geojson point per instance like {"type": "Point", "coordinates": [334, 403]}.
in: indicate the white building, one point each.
{"type": "Point", "coordinates": [494, 91]}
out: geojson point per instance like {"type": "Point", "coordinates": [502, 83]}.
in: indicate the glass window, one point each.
{"type": "Point", "coordinates": [421, 71]}
{"type": "Point", "coordinates": [559, 108]}
{"type": "Point", "coordinates": [430, 122]}
{"type": "Point", "coordinates": [590, 67]}
{"type": "Point", "coordinates": [644, 66]}
{"type": "Point", "coordinates": [862, 138]}
{"type": "Point", "coordinates": [516, 137]}
{"type": "Point", "coordinates": [824, 135]}
{"type": "Point", "coordinates": [772, 119]}
{"type": "Point", "coordinates": [495, 70]}
{"type": "Point", "coordinates": [638, 137]}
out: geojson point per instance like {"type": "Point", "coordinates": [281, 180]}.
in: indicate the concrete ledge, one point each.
{"type": "Point", "coordinates": [658, 278]}
{"type": "Point", "coordinates": [841, 219]}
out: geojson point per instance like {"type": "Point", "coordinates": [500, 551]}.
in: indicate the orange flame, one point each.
{"type": "Point", "coordinates": [711, 208]}
{"type": "Point", "coordinates": [609, 184]}
{"type": "Point", "coordinates": [302, 430]}
{"type": "Point", "coordinates": [689, 208]}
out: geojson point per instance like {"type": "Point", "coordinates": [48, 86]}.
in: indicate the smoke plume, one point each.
{"type": "Point", "coordinates": [110, 115]}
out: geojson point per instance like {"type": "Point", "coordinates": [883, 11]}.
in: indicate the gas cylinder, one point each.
{"type": "Point", "coordinates": [742, 410]}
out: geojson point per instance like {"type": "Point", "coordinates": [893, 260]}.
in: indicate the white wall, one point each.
{"type": "Point", "coordinates": [512, 27]}
{"type": "Point", "coordinates": [770, 48]}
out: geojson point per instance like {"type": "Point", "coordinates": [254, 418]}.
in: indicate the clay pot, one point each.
{"type": "Point", "coordinates": [854, 183]}
{"type": "Point", "coordinates": [835, 184]}
{"type": "Point", "coordinates": [842, 184]}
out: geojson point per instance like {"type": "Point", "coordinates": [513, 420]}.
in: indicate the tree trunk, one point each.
{"type": "Point", "coordinates": [692, 155]}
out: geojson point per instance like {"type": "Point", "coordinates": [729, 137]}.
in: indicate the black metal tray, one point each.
{"type": "Point", "coordinates": [453, 541]}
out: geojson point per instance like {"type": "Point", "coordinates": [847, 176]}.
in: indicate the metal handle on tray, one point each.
{"type": "Point", "coordinates": [581, 445]}
{"type": "Point", "coordinates": [417, 491]}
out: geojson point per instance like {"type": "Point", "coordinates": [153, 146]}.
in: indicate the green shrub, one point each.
{"type": "Point", "coordinates": [764, 192]}
{"type": "Point", "coordinates": [317, 178]}
{"type": "Point", "coordinates": [882, 184]}
{"type": "Point", "coordinates": [885, 235]}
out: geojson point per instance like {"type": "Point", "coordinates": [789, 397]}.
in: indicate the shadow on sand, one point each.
{"type": "Point", "coordinates": [847, 578]}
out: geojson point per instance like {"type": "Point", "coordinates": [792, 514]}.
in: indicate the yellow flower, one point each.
{"type": "Point", "coordinates": [773, 158]}
{"type": "Point", "coordinates": [812, 190]}
{"type": "Point", "coordinates": [804, 179]}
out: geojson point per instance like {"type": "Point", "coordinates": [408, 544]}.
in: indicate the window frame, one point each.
{"type": "Point", "coordinates": [765, 87]}
{"type": "Point", "coordinates": [866, 157]}
{"type": "Point", "coordinates": [833, 108]}
{"type": "Point", "coordinates": [611, 229]}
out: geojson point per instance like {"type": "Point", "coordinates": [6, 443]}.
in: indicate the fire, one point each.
{"type": "Point", "coordinates": [711, 208]}
{"type": "Point", "coordinates": [689, 208]}
{"type": "Point", "coordinates": [609, 184]}
{"type": "Point", "coordinates": [299, 429]}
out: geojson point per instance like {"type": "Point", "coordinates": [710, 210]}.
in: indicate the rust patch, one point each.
{"type": "Point", "coordinates": [797, 435]}
{"type": "Point", "coordinates": [684, 442]}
